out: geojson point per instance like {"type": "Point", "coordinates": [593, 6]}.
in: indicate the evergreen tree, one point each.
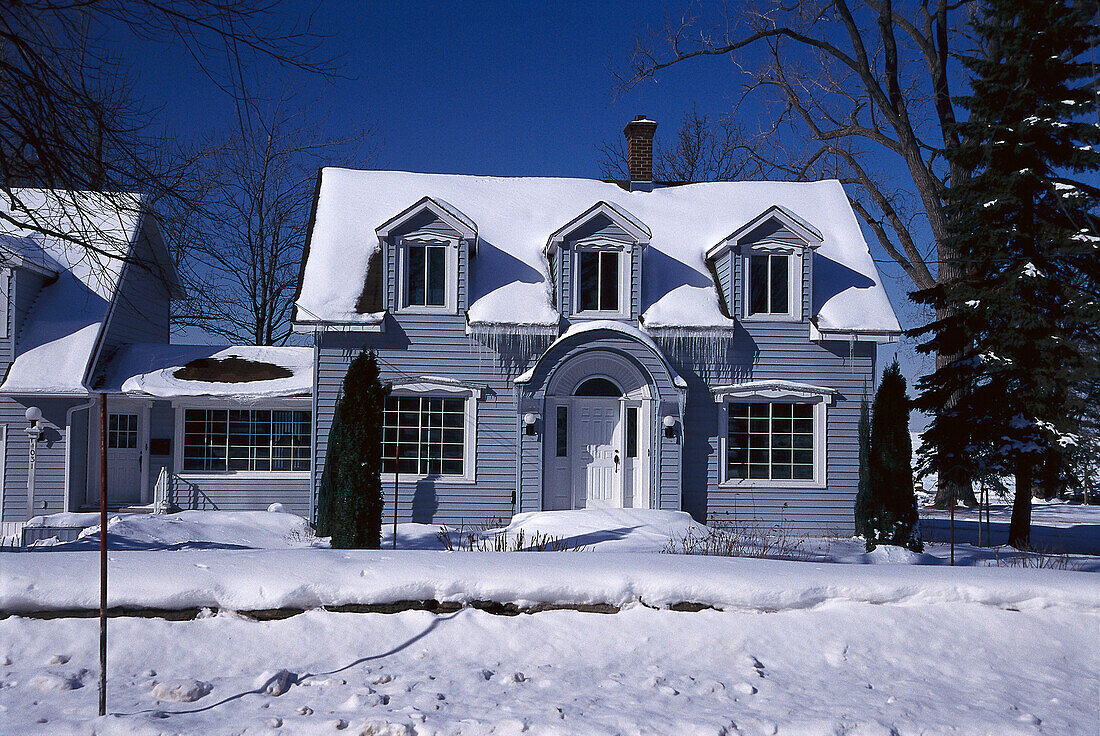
{"type": "Point", "coordinates": [349, 503]}
{"type": "Point", "coordinates": [886, 504]}
{"type": "Point", "coordinates": [1022, 315]}
{"type": "Point", "coordinates": [864, 513]}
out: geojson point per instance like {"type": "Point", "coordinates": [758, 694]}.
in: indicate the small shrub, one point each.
{"type": "Point", "coordinates": [1033, 560]}
{"type": "Point", "coordinates": [743, 539]}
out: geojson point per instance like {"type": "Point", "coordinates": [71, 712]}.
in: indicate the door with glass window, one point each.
{"type": "Point", "coordinates": [123, 458]}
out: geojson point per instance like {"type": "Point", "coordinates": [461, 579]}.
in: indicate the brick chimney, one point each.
{"type": "Point", "coordinates": [639, 152]}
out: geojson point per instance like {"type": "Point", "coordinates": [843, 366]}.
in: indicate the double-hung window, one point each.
{"type": "Point", "coordinates": [769, 283]}
{"type": "Point", "coordinates": [598, 281]}
{"type": "Point", "coordinates": [425, 435]}
{"type": "Point", "coordinates": [260, 440]}
{"type": "Point", "coordinates": [770, 441]}
{"type": "Point", "coordinates": [425, 275]}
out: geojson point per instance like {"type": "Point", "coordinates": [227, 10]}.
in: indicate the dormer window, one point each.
{"type": "Point", "coordinates": [765, 267]}
{"type": "Point", "coordinates": [595, 260]}
{"type": "Point", "coordinates": [426, 275]}
{"type": "Point", "coordinates": [769, 284]}
{"type": "Point", "coordinates": [425, 244]}
{"type": "Point", "coordinates": [599, 281]}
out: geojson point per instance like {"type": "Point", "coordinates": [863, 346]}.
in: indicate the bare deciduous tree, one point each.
{"type": "Point", "coordinates": [863, 90]}
{"type": "Point", "coordinates": [69, 120]}
{"type": "Point", "coordinates": [242, 237]}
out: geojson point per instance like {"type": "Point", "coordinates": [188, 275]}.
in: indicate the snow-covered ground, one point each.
{"type": "Point", "coordinates": [1056, 526]}
{"type": "Point", "coordinates": [906, 645]}
{"type": "Point", "coordinates": [838, 668]}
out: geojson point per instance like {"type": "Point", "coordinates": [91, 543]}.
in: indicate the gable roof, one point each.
{"type": "Point", "coordinates": [93, 235]}
{"type": "Point", "coordinates": [517, 216]}
{"type": "Point", "coordinates": [454, 219]}
{"type": "Point", "coordinates": [629, 224]}
{"type": "Point", "coordinates": [782, 216]}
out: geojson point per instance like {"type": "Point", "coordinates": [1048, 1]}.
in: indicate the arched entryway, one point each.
{"type": "Point", "coordinates": [598, 447]}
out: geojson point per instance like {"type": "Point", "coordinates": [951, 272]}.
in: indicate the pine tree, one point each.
{"type": "Point", "coordinates": [349, 503]}
{"type": "Point", "coordinates": [1022, 315]}
{"type": "Point", "coordinates": [886, 505]}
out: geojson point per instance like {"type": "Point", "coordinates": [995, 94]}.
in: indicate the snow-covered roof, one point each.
{"type": "Point", "coordinates": [59, 337]}
{"type": "Point", "coordinates": [148, 369]}
{"type": "Point", "coordinates": [515, 217]}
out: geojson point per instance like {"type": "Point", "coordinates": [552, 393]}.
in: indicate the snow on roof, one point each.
{"type": "Point", "coordinates": [148, 369]}
{"type": "Point", "coordinates": [516, 216]}
{"type": "Point", "coordinates": [58, 339]}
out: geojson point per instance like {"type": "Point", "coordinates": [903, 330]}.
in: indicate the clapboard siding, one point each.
{"type": "Point", "coordinates": [49, 491]}
{"type": "Point", "coordinates": [427, 345]}
{"type": "Point", "coordinates": [685, 469]}
{"type": "Point", "coordinates": [780, 351]}
{"type": "Point", "coordinates": [236, 493]}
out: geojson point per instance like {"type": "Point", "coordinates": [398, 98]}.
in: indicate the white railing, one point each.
{"type": "Point", "coordinates": [160, 492]}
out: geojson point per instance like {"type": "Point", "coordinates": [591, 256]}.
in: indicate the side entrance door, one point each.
{"type": "Point", "coordinates": [596, 449]}
{"type": "Point", "coordinates": [123, 458]}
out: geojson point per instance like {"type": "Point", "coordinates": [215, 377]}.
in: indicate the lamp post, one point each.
{"type": "Point", "coordinates": [34, 434]}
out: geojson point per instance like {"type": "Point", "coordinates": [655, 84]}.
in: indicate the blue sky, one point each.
{"type": "Point", "coordinates": [518, 88]}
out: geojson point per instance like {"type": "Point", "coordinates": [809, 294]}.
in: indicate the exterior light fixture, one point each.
{"type": "Point", "coordinates": [529, 420]}
{"type": "Point", "coordinates": [34, 434]}
{"type": "Point", "coordinates": [669, 422]}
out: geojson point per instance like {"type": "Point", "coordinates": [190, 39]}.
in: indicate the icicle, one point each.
{"type": "Point", "coordinates": [708, 352]}
{"type": "Point", "coordinates": [515, 344]}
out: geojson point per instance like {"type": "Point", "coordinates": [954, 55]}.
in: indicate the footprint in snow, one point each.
{"type": "Point", "coordinates": [58, 659]}
{"type": "Point", "coordinates": [745, 688]}
{"type": "Point", "coordinates": [486, 674]}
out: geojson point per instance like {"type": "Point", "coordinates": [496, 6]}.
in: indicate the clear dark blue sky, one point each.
{"type": "Point", "coordinates": [505, 88]}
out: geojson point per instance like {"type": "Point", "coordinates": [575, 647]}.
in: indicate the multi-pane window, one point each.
{"type": "Point", "coordinates": [219, 440]}
{"type": "Point", "coordinates": [122, 431]}
{"type": "Point", "coordinates": [769, 282]}
{"type": "Point", "coordinates": [770, 441]}
{"type": "Point", "coordinates": [598, 283]}
{"type": "Point", "coordinates": [424, 435]}
{"type": "Point", "coordinates": [426, 275]}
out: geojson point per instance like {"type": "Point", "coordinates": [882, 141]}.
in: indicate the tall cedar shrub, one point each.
{"type": "Point", "coordinates": [891, 466]}
{"type": "Point", "coordinates": [864, 512]}
{"type": "Point", "coordinates": [349, 504]}
{"type": "Point", "coordinates": [1022, 315]}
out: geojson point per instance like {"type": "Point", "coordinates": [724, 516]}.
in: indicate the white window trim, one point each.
{"type": "Point", "coordinates": [769, 392]}
{"type": "Point", "coordinates": [444, 389]}
{"type": "Point", "coordinates": [177, 451]}
{"type": "Point", "coordinates": [450, 305]}
{"type": "Point", "coordinates": [625, 270]}
{"type": "Point", "coordinates": [794, 283]}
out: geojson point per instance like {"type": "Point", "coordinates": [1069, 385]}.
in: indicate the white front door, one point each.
{"type": "Point", "coordinates": [596, 449]}
{"type": "Point", "coordinates": [123, 459]}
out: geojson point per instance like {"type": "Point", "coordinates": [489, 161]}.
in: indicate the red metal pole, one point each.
{"type": "Point", "coordinates": [103, 554]}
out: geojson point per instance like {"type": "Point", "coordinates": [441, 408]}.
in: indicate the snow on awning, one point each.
{"type": "Point", "coordinates": [773, 389]}
{"type": "Point", "coordinates": [238, 373]}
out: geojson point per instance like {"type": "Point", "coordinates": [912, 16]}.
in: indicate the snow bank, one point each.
{"type": "Point", "coordinates": [516, 216]}
{"type": "Point", "coordinates": [148, 370]}
{"type": "Point", "coordinates": [65, 520]}
{"type": "Point", "coordinates": [307, 578]}
{"type": "Point", "coordinates": [240, 529]}
{"type": "Point", "coordinates": [605, 530]}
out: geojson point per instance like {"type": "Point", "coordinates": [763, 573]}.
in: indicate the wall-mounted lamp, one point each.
{"type": "Point", "coordinates": [529, 420]}
{"type": "Point", "coordinates": [34, 416]}
{"type": "Point", "coordinates": [669, 422]}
